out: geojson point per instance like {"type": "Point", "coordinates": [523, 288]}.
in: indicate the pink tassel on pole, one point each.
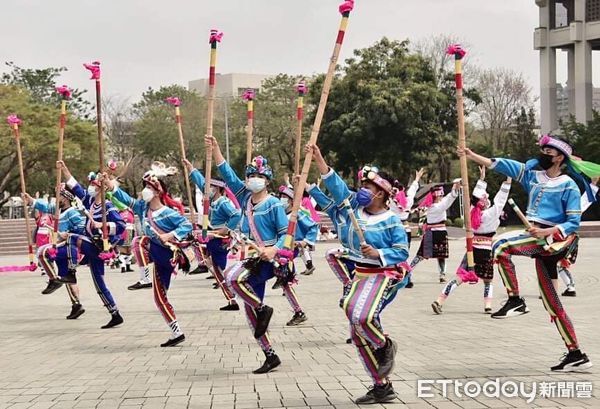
{"type": "Point", "coordinates": [13, 120]}
{"type": "Point", "coordinates": [64, 92]}
{"type": "Point", "coordinates": [248, 95]}
{"type": "Point", "coordinates": [173, 101]}
{"type": "Point", "coordinates": [347, 6]}
{"type": "Point", "coordinates": [456, 50]}
{"type": "Point", "coordinates": [215, 36]}
{"type": "Point", "coordinates": [94, 69]}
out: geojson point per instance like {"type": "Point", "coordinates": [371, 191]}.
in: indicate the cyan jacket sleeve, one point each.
{"type": "Point", "coordinates": [336, 186]}
{"type": "Point", "coordinates": [198, 178]}
{"type": "Point", "coordinates": [179, 225]}
{"type": "Point", "coordinates": [234, 215]}
{"type": "Point", "coordinates": [232, 180]}
{"type": "Point", "coordinates": [138, 206]}
{"type": "Point", "coordinates": [308, 227]}
{"type": "Point", "coordinates": [571, 202]}
{"type": "Point", "coordinates": [324, 201]}
{"type": "Point", "coordinates": [513, 169]}
{"type": "Point", "coordinates": [280, 221]}
{"type": "Point", "coordinates": [398, 251]}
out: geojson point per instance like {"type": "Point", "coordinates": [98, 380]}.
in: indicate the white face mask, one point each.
{"type": "Point", "coordinates": [213, 191]}
{"type": "Point", "coordinates": [147, 194]}
{"type": "Point", "coordinates": [256, 185]}
{"type": "Point", "coordinates": [92, 191]}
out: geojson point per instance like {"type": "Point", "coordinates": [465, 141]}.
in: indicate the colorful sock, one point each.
{"type": "Point", "coordinates": [448, 288]}
{"type": "Point", "coordinates": [488, 294]}
{"type": "Point", "coordinates": [567, 277]}
{"type": "Point", "coordinates": [175, 329]}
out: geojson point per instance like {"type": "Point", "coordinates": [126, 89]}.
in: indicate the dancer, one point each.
{"type": "Point", "coordinates": [90, 244]}
{"type": "Point", "coordinates": [265, 222]}
{"type": "Point", "coordinates": [305, 238]}
{"type": "Point", "coordinates": [223, 217]}
{"type": "Point", "coordinates": [404, 200]}
{"type": "Point", "coordinates": [306, 251]}
{"type": "Point", "coordinates": [65, 254]}
{"type": "Point", "coordinates": [163, 228]}
{"type": "Point", "coordinates": [554, 211]}
{"type": "Point", "coordinates": [377, 263]}
{"type": "Point", "coordinates": [434, 243]}
{"type": "Point", "coordinates": [485, 220]}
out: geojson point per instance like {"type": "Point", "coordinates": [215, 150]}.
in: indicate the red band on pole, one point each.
{"type": "Point", "coordinates": [459, 81]}
{"type": "Point", "coordinates": [206, 206]}
{"type": "Point", "coordinates": [469, 244]}
{"type": "Point", "coordinates": [211, 76]}
{"type": "Point", "coordinates": [300, 114]}
{"type": "Point", "coordinates": [340, 37]}
{"type": "Point", "coordinates": [291, 228]}
{"type": "Point", "coordinates": [63, 121]}
{"type": "Point", "coordinates": [250, 114]}
{"type": "Point", "coordinates": [177, 119]}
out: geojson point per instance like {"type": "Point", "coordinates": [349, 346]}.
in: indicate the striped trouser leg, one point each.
{"type": "Point", "coordinates": [515, 245]}
{"type": "Point", "coordinates": [363, 305]}
{"type": "Point", "coordinates": [552, 303]}
{"type": "Point", "coordinates": [264, 342]}
{"type": "Point", "coordinates": [229, 296]}
{"type": "Point", "coordinates": [46, 262]}
{"type": "Point", "coordinates": [366, 354]}
{"type": "Point", "coordinates": [140, 246]}
{"type": "Point", "coordinates": [237, 280]}
{"type": "Point", "coordinates": [72, 292]}
{"type": "Point", "coordinates": [159, 290]}
{"type": "Point", "coordinates": [292, 298]}
{"type": "Point", "coordinates": [337, 266]}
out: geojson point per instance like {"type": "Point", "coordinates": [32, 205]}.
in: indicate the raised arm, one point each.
{"type": "Point", "coordinates": [232, 180]}
{"type": "Point", "coordinates": [195, 175]}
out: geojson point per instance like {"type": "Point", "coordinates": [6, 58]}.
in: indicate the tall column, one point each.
{"type": "Point", "coordinates": [571, 80]}
{"type": "Point", "coordinates": [548, 89]}
{"type": "Point", "coordinates": [583, 81]}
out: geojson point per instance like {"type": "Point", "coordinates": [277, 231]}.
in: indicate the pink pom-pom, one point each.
{"type": "Point", "coordinates": [544, 140]}
{"type": "Point", "coordinates": [52, 252]}
{"type": "Point", "coordinates": [456, 50]}
{"type": "Point", "coordinates": [32, 267]}
{"type": "Point", "coordinates": [302, 88]}
{"type": "Point", "coordinates": [107, 255]}
{"type": "Point", "coordinates": [94, 69]}
{"type": "Point", "coordinates": [64, 91]}
{"type": "Point", "coordinates": [248, 95]}
{"type": "Point", "coordinates": [467, 276]}
{"type": "Point", "coordinates": [173, 101]}
{"type": "Point", "coordinates": [347, 7]}
{"type": "Point", "coordinates": [284, 253]}
{"type": "Point", "coordinates": [111, 164]}
{"type": "Point", "coordinates": [13, 120]}
{"type": "Point", "coordinates": [215, 36]}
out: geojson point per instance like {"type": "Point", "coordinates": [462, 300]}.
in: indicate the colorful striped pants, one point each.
{"type": "Point", "coordinates": [362, 306]}
{"type": "Point", "coordinates": [250, 287]}
{"type": "Point", "coordinates": [141, 252]}
{"type": "Point", "coordinates": [65, 258]}
{"type": "Point", "coordinates": [342, 269]}
{"type": "Point", "coordinates": [218, 261]}
{"type": "Point", "coordinates": [85, 245]}
{"type": "Point", "coordinates": [545, 265]}
{"type": "Point", "coordinates": [163, 269]}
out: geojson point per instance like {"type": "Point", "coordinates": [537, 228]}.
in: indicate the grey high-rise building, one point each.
{"type": "Point", "coordinates": [572, 26]}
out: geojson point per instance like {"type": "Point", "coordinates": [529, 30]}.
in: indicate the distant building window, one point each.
{"type": "Point", "coordinates": [562, 13]}
{"type": "Point", "coordinates": [592, 12]}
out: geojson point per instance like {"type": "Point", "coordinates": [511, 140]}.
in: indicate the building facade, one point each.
{"type": "Point", "coordinates": [572, 26]}
{"type": "Point", "coordinates": [229, 85]}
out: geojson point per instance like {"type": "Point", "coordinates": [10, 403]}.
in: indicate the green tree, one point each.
{"type": "Point", "coordinates": [39, 140]}
{"type": "Point", "coordinates": [584, 137]}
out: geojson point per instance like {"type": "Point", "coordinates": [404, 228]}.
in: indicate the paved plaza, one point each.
{"type": "Point", "coordinates": [49, 362]}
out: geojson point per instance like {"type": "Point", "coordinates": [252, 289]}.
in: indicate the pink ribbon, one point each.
{"type": "Point", "coordinates": [173, 101]}
{"type": "Point", "coordinates": [215, 36]}
{"type": "Point", "coordinates": [456, 50]}
{"type": "Point", "coordinates": [302, 88]}
{"type": "Point", "coordinates": [64, 92]}
{"type": "Point", "coordinates": [248, 95]}
{"type": "Point", "coordinates": [467, 276]}
{"type": "Point", "coordinates": [347, 7]}
{"type": "Point", "coordinates": [13, 120]}
{"type": "Point", "coordinates": [94, 68]}
{"type": "Point", "coordinates": [8, 269]}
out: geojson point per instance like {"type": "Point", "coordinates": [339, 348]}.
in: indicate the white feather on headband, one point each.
{"type": "Point", "coordinates": [161, 170]}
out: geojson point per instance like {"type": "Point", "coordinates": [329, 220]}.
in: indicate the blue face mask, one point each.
{"type": "Point", "coordinates": [364, 197]}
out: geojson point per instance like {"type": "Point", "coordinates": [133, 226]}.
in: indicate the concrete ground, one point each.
{"type": "Point", "coordinates": [49, 362]}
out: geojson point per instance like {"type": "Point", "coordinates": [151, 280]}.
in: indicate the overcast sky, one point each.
{"type": "Point", "coordinates": [145, 43]}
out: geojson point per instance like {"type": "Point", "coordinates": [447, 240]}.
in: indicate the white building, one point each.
{"type": "Point", "coordinates": [572, 26]}
{"type": "Point", "coordinates": [230, 85]}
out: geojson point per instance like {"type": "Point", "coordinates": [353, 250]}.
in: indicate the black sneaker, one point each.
{"type": "Point", "coordinates": [123, 270]}
{"type": "Point", "coordinates": [574, 361]}
{"type": "Point", "coordinates": [271, 363]}
{"type": "Point", "coordinates": [442, 278]}
{"type": "Point", "coordinates": [128, 269]}
{"type": "Point", "coordinates": [230, 307]}
{"type": "Point", "coordinates": [436, 307]}
{"type": "Point", "coordinates": [52, 286]}
{"type": "Point", "coordinates": [513, 307]}
{"type": "Point", "coordinates": [569, 292]}
{"type": "Point", "coordinates": [215, 286]}
{"type": "Point", "coordinates": [210, 277]}
{"type": "Point", "coordinates": [378, 394]}
{"type": "Point", "coordinates": [348, 340]}
{"type": "Point", "coordinates": [410, 284]}
{"type": "Point", "coordinates": [76, 311]}
{"type": "Point", "coordinates": [199, 270]}
{"type": "Point", "coordinates": [139, 286]}
{"type": "Point", "coordinates": [487, 310]}
{"type": "Point", "coordinates": [297, 319]}
{"type": "Point", "coordinates": [263, 317]}
{"type": "Point", "coordinates": [173, 341]}
{"type": "Point", "coordinates": [115, 320]}
{"type": "Point", "coordinates": [278, 284]}
{"type": "Point", "coordinates": [385, 358]}
{"type": "Point", "coordinates": [308, 271]}
{"type": "Point", "coordinates": [69, 278]}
